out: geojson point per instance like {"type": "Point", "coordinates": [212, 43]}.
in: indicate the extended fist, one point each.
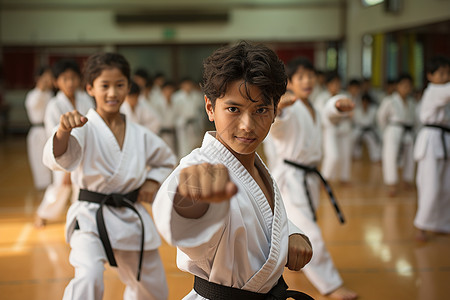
{"type": "Point", "coordinates": [286, 100]}
{"type": "Point", "coordinates": [71, 120]}
{"type": "Point", "coordinates": [206, 183]}
{"type": "Point", "coordinates": [345, 105]}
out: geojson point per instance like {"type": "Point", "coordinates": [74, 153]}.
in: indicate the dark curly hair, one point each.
{"type": "Point", "coordinates": [96, 63]}
{"type": "Point", "coordinates": [255, 64]}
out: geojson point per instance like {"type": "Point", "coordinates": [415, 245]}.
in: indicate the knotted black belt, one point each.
{"type": "Point", "coordinates": [368, 129]}
{"type": "Point", "coordinates": [307, 170]}
{"type": "Point", "coordinates": [114, 200]}
{"type": "Point", "coordinates": [407, 128]}
{"type": "Point", "coordinates": [444, 130]}
{"type": "Point", "coordinates": [214, 291]}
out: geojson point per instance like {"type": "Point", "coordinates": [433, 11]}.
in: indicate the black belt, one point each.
{"type": "Point", "coordinates": [214, 291]}
{"type": "Point", "coordinates": [406, 128]}
{"type": "Point", "coordinates": [167, 130]}
{"type": "Point", "coordinates": [114, 200]}
{"type": "Point", "coordinates": [444, 130]}
{"type": "Point", "coordinates": [309, 169]}
{"type": "Point", "coordinates": [371, 130]}
{"type": "Point", "coordinates": [37, 125]}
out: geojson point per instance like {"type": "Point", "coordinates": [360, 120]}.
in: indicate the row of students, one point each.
{"type": "Point", "coordinates": [220, 207]}
{"type": "Point", "coordinates": [67, 79]}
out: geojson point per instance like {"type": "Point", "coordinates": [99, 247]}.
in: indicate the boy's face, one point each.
{"type": "Point", "coordinates": [109, 90]}
{"type": "Point", "coordinates": [68, 82]}
{"type": "Point", "coordinates": [240, 123]}
{"type": "Point", "coordinates": [440, 76]}
{"type": "Point", "coordinates": [404, 87]}
{"type": "Point", "coordinates": [302, 83]}
{"type": "Point", "coordinates": [334, 86]}
{"type": "Point", "coordinates": [354, 90]}
{"type": "Point", "coordinates": [140, 81]}
{"type": "Point", "coordinates": [132, 99]}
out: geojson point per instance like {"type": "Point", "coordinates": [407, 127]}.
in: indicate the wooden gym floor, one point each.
{"type": "Point", "coordinates": [375, 251]}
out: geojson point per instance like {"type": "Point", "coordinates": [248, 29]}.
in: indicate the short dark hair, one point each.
{"type": "Point", "coordinates": [41, 70]}
{"type": "Point", "coordinates": [255, 64]}
{"type": "Point", "coordinates": [354, 82]}
{"type": "Point", "coordinates": [293, 65]}
{"type": "Point", "coordinates": [134, 88]}
{"type": "Point", "coordinates": [367, 97]}
{"type": "Point", "coordinates": [63, 65]}
{"type": "Point", "coordinates": [141, 72]}
{"type": "Point", "coordinates": [331, 75]}
{"type": "Point", "coordinates": [96, 63]}
{"type": "Point", "coordinates": [436, 62]}
{"type": "Point", "coordinates": [404, 76]}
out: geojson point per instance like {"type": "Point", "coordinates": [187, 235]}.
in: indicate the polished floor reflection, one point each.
{"type": "Point", "coordinates": [375, 250]}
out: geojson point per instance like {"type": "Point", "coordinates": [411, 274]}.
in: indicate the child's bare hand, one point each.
{"type": "Point", "coordinates": [148, 191]}
{"type": "Point", "coordinates": [299, 253]}
{"type": "Point", "coordinates": [345, 105]}
{"type": "Point", "coordinates": [71, 120]}
{"type": "Point", "coordinates": [286, 100]}
{"type": "Point", "coordinates": [206, 183]}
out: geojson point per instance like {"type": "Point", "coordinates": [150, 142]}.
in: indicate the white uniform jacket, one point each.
{"type": "Point", "coordinates": [60, 104]}
{"type": "Point", "coordinates": [99, 165]}
{"type": "Point", "coordinates": [435, 109]}
{"type": "Point", "coordinates": [142, 114]}
{"type": "Point", "coordinates": [237, 243]}
{"type": "Point", "coordinates": [35, 104]}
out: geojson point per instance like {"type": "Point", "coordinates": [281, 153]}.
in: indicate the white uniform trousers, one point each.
{"type": "Point", "coordinates": [337, 158]}
{"type": "Point", "coordinates": [433, 193]}
{"type": "Point", "coordinates": [42, 176]}
{"type": "Point", "coordinates": [373, 147]}
{"type": "Point", "coordinates": [88, 258]}
{"type": "Point", "coordinates": [390, 163]}
{"type": "Point", "coordinates": [55, 198]}
{"type": "Point", "coordinates": [320, 270]}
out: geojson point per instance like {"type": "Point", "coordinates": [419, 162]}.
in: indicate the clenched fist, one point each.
{"type": "Point", "coordinates": [299, 253]}
{"type": "Point", "coordinates": [71, 120]}
{"type": "Point", "coordinates": [200, 185]}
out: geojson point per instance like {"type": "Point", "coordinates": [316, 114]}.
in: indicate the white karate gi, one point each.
{"type": "Point", "coordinates": [99, 165]}
{"type": "Point", "coordinates": [296, 136]}
{"type": "Point", "coordinates": [361, 120]}
{"type": "Point", "coordinates": [433, 171]}
{"type": "Point", "coordinates": [337, 142]}
{"type": "Point", "coordinates": [393, 110]}
{"type": "Point", "coordinates": [189, 123]}
{"type": "Point", "coordinates": [168, 116]}
{"type": "Point", "coordinates": [237, 243]}
{"type": "Point", "coordinates": [321, 99]}
{"type": "Point", "coordinates": [35, 104]}
{"type": "Point", "coordinates": [57, 194]}
{"type": "Point", "coordinates": [142, 114]}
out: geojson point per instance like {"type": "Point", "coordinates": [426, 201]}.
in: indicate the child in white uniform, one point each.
{"type": "Point", "coordinates": [396, 117]}
{"type": "Point", "coordinates": [35, 104]}
{"type": "Point", "coordinates": [221, 207]}
{"type": "Point", "coordinates": [432, 153]}
{"type": "Point", "coordinates": [296, 136]}
{"type": "Point", "coordinates": [190, 104]}
{"type": "Point", "coordinates": [365, 129]}
{"type": "Point", "coordinates": [67, 79]}
{"type": "Point", "coordinates": [138, 110]}
{"type": "Point", "coordinates": [117, 165]}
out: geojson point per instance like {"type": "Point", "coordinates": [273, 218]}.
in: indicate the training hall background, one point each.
{"type": "Point", "coordinates": [370, 39]}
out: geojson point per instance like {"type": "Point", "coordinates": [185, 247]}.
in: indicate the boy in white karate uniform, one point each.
{"type": "Point", "coordinates": [117, 165]}
{"type": "Point", "coordinates": [396, 117]}
{"type": "Point", "coordinates": [69, 97]}
{"type": "Point", "coordinates": [365, 129]}
{"type": "Point", "coordinates": [221, 207]}
{"type": "Point", "coordinates": [432, 153]}
{"type": "Point", "coordinates": [35, 104]}
{"type": "Point", "coordinates": [337, 135]}
{"type": "Point", "coordinates": [296, 136]}
{"type": "Point", "coordinates": [189, 124]}
{"type": "Point", "coordinates": [138, 110]}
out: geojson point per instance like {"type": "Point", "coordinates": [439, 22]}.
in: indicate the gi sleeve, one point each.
{"type": "Point", "coordinates": [331, 112]}
{"type": "Point", "coordinates": [194, 237]}
{"type": "Point", "coordinates": [160, 159]}
{"type": "Point", "coordinates": [73, 155]}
